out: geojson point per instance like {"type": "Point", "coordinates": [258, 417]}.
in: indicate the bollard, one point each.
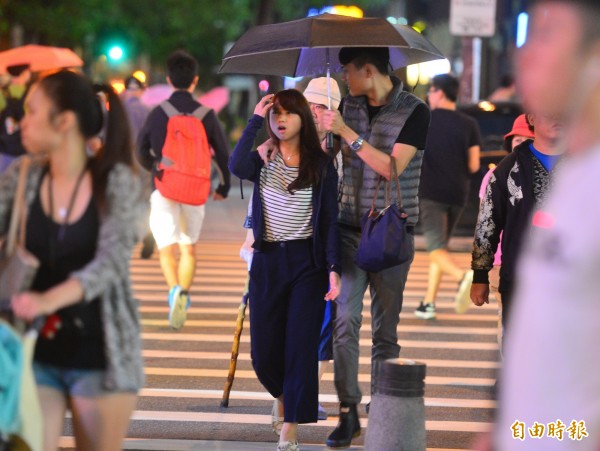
{"type": "Point", "coordinates": [397, 410]}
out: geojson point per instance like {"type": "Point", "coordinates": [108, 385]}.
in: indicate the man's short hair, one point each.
{"type": "Point", "coordinates": [359, 56]}
{"type": "Point", "coordinates": [182, 68]}
{"type": "Point", "coordinates": [447, 84]}
{"type": "Point", "coordinates": [17, 69]}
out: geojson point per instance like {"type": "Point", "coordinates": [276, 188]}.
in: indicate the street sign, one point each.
{"type": "Point", "coordinates": [473, 18]}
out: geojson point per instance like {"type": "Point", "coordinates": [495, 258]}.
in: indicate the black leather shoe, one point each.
{"type": "Point", "coordinates": [348, 427]}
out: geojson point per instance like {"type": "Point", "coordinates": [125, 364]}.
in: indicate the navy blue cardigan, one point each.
{"type": "Point", "coordinates": [246, 164]}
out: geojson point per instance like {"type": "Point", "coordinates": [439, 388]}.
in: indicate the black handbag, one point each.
{"type": "Point", "coordinates": [17, 265]}
{"type": "Point", "coordinates": [384, 242]}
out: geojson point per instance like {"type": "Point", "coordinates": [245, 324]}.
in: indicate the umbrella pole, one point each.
{"type": "Point", "coordinates": [328, 135]}
{"type": "Point", "coordinates": [239, 326]}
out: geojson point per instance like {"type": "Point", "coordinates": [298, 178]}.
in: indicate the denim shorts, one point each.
{"type": "Point", "coordinates": [72, 382]}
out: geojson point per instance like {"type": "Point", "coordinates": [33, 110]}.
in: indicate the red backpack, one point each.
{"type": "Point", "coordinates": [183, 173]}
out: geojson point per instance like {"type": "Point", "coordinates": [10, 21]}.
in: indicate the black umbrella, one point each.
{"type": "Point", "coordinates": [310, 46]}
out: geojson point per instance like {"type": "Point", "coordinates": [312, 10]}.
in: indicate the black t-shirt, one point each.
{"type": "Point", "coordinates": [72, 337]}
{"type": "Point", "coordinates": [445, 171]}
{"type": "Point", "coordinates": [414, 132]}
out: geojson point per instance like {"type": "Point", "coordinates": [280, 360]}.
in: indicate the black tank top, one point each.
{"type": "Point", "coordinates": [73, 336]}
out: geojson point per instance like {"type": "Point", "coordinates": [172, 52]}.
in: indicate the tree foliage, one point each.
{"type": "Point", "coordinates": [150, 27]}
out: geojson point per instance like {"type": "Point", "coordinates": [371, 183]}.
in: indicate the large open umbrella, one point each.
{"type": "Point", "coordinates": [39, 58]}
{"type": "Point", "coordinates": [310, 46]}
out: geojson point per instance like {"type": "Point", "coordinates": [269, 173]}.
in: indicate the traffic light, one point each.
{"type": "Point", "coordinates": [116, 53]}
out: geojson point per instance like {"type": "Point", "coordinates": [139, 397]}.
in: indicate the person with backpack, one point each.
{"type": "Point", "coordinates": [175, 144]}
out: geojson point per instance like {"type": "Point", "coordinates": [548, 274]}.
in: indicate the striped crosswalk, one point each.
{"type": "Point", "coordinates": [186, 370]}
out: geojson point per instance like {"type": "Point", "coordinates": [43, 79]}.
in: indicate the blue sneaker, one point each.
{"type": "Point", "coordinates": [178, 305]}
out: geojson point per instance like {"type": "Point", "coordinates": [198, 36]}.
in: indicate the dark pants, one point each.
{"type": "Point", "coordinates": [386, 288]}
{"type": "Point", "coordinates": [286, 311]}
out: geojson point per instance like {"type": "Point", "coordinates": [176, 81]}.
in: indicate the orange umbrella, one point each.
{"type": "Point", "coordinates": [39, 58]}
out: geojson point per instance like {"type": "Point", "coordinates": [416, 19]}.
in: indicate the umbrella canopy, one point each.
{"type": "Point", "coordinates": [155, 94]}
{"type": "Point", "coordinates": [39, 58]}
{"type": "Point", "coordinates": [310, 46]}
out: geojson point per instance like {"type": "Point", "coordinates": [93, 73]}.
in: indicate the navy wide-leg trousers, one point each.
{"type": "Point", "coordinates": [286, 312]}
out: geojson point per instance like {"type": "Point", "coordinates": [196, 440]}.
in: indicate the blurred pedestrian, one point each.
{"type": "Point", "coordinates": [451, 156]}
{"type": "Point", "coordinates": [176, 224]}
{"type": "Point", "coordinates": [88, 355]}
{"type": "Point", "coordinates": [296, 254]}
{"type": "Point", "coordinates": [506, 92]}
{"type": "Point", "coordinates": [519, 183]}
{"type": "Point", "coordinates": [10, 133]}
{"type": "Point", "coordinates": [521, 131]}
{"type": "Point", "coordinates": [550, 377]}
{"type": "Point", "coordinates": [376, 121]}
{"type": "Point", "coordinates": [137, 113]}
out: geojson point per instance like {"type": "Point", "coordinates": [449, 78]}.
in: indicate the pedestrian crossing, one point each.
{"type": "Point", "coordinates": [186, 370]}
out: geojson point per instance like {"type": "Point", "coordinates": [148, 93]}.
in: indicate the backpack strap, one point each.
{"type": "Point", "coordinates": [200, 112]}
{"type": "Point", "coordinates": [171, 111]}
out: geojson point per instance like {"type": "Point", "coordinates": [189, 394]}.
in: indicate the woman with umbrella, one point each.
{"type": "Point", "coordinates": [296, 254]}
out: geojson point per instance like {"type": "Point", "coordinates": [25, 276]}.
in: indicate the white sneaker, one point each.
{"type": "Point", "coordinates": [288, 446]}
{"type": "Point", "coordinates": [462, 301]}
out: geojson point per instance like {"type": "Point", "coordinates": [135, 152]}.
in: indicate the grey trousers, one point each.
{"type": "Point", "coordinates": [386, 288]}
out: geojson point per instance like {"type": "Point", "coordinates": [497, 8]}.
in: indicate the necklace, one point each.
{"type": "Point", "coordinates": [289, 157]}
{"type": "Point", "coordinates": [64, 213]}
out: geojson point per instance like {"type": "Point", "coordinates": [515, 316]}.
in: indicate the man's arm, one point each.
{"type": "Point", "coordinates": [218, 141]}
{"type": "Point", "coordinates": [474, 161]}
{"type": "Point", "coordinates": [144, 152]}
{"type": "Point", "coordinates": [490, 222]}
{"type": "Point", "coordinates": [377, 160]}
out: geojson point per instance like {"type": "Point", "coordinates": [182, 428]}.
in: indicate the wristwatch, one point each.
{"type": "Point", "coordinates": [356, 144]}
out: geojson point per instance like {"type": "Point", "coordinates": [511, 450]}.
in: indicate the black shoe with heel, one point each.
{"type": "Point", "coordinates": [348, 427]}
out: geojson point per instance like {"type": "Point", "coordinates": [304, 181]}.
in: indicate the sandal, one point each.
{"type": "Point", "coordinates": [276, 420]}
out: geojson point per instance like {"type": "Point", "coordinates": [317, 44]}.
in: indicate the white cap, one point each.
{"type": "Point", "coordinates": [316, 92]}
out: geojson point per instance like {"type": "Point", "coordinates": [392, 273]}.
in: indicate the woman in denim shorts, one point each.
{"type": "Point", "coordinates": [81, 207]}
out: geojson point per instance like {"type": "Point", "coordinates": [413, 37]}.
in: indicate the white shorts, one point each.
{"type": "Point", "coordinates": [172, 222]}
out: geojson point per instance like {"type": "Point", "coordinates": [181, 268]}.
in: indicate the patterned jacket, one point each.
{"type": "Point", "coordinates": [107, 275]}
{"type": "Point", "coordinates": [518, 183]}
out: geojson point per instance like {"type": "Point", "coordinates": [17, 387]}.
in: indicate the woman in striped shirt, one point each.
{"type": "Point", "coordinates": [296, 253]}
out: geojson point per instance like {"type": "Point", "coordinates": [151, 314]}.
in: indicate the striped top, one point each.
{"type": "Point", "coordinates": [286, 216]}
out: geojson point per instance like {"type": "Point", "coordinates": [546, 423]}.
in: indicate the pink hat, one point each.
{"type": "Point", "coordinates": [316, 92]}
{"type": "Point", "coordinates": [520, 127]}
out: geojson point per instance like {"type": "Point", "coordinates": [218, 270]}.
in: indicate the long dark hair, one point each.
{"type": "Point", "coordinates": [312, 157]}
{"type": "Point", "coordinates": [69, 91]}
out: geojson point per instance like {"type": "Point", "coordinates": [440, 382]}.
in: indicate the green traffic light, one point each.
{"type": "Point", "coordinates": [115, 53]}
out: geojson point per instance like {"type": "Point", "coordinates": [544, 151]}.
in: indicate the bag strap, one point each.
{"type": "Point", "coordinates": [388, 186]}
{"type": "Point", "coordinates": [393, 179]}
{"type": "Point", "coordinates": [171, 111]}
{"type": "Point", "coordinates": [18, 217]}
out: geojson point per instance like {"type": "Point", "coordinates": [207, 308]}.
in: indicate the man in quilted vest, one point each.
{"type": "Point", "coordinates": [376, 120]}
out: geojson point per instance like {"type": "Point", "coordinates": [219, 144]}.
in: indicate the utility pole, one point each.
{"type": "Point", "coordinates": [472, 19]}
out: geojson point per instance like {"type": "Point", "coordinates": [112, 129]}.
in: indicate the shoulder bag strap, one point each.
{"type": "Point", "coordinates": [393, 179]}
{"type": "Point", "coordinates": [19, 210]}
